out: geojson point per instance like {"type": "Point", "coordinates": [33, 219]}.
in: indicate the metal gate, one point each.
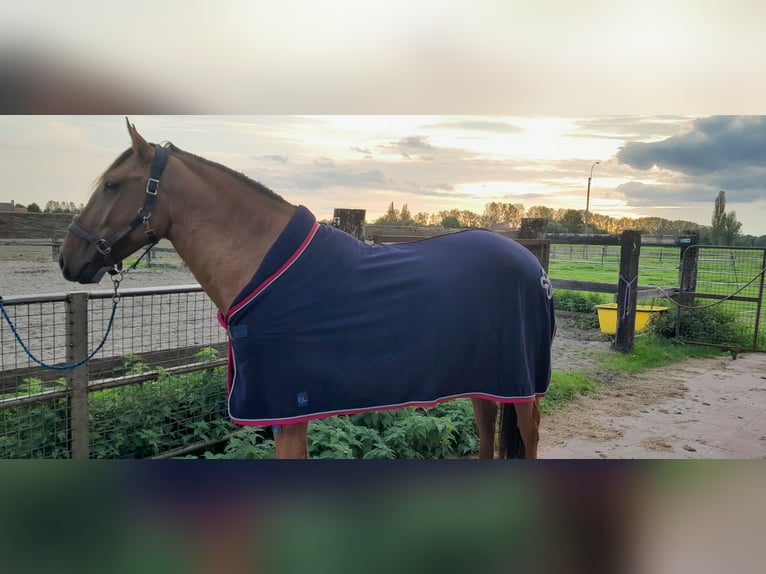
{"type": "Point", "coordinates": [720, 297]}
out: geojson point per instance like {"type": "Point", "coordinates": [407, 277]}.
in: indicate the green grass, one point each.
{"type": "Point", "coordinates": [652, 269]}
{"type": "Point", "coordinates": [651, 351]}
{"type": "Point", "coordinates": [564, 387]}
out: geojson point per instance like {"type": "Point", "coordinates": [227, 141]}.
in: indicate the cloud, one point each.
{"type": "Point", "coordinates": [283, 159]}
{"type": "Point", "coordinates": [324, 162]}
{"type": "Point", "coordinates": [327, 178]}
{"type": "Point", "coordinates": [714, 153]}
{"type": "Point", "coordinates": [411, 147]}
{"type": "Point", "coordinates": [627, 128]}
{"type": "Point", "coordinates": [478, 125]}
{"type": "Point", "coordinates": [366, 152]}
{"type": "Point", "coordinates": [638, 194]}
{"type": "Point", "coordinates": [710, 145]}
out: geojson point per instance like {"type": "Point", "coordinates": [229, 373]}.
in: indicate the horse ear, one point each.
{"type": "Point", "coordinates": [142, 149]}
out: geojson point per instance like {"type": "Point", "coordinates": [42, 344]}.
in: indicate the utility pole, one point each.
{"type": "Point", "coordinates": [587, 200]}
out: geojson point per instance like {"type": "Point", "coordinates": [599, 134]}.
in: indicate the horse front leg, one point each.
{"type": "Point", "coordinates": [290, 441]}
{"type": "Point", "coordinates": [485, 413]}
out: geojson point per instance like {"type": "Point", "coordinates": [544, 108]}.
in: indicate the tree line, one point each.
{"type": "Point", "coordinates": [51, 207]}
{"type": "Point", "coordinates": [724, 228]}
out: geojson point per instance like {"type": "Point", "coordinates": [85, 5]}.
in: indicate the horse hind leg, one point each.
{"type": "Point", "coordinates": [528, 422]}
{"type": "Point", "coordinates": [485, 414]}
{"type": "Point", "coordinates": [519, 430]}
{"type": "Point", "coordinates": [290, 441]}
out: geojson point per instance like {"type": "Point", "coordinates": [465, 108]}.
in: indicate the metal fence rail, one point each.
{"type": "Point", "coordinates": [157, 385]}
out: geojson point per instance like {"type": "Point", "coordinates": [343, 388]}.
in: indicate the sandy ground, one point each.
{"type": "Point", "coordinates": [702, 408]}
{"type": "Point", "coordinates": [37, 277]}
{"type": "Point", "coordinates": [711, 408]}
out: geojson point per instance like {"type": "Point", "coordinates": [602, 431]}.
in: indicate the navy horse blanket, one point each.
{"type": "Point", "coordinates": [330, 325]}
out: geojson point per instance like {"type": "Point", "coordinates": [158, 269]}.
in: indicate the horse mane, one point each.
{"type": "Point", "coordinates": [259, 187]}
{"type": "Point", "coordinates": [181, 154]}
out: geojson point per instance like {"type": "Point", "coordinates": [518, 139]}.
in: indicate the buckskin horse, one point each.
{"type": "Point", "coordinates": [322, 324]}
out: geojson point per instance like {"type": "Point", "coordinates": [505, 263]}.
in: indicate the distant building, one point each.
{"type": "Point", "coordinates": [6, 207]}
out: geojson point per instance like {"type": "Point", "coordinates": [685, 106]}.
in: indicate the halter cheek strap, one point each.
{"type": "Point", "coordinates": [104, 244]}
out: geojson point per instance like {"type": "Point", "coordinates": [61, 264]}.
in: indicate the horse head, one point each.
{"type": "Point", "coordinates": [121, 215]}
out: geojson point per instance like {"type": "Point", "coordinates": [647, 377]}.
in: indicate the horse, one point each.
{"type": "Point", "coordinates": [320, 323]}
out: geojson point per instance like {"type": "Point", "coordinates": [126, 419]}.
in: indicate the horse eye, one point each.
{"type": "Point", "coordinates": [111, 186]}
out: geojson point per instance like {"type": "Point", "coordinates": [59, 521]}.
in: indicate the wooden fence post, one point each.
{"type": "Point", "coordinates": [533, 227]}
{"type": "Point", "coordinates": [532, 236]}
{"type": "Point", "coordinates": [627, 290]}
{"type": "Point", "coordinates": [77, 343]}
{"type": "Point", "coordinates": [687, 280]}
{"type": "Point", "coordinates": [351, 221]}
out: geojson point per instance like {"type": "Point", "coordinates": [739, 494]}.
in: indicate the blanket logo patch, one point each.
{"type": "Point", "coordinates": [546, 284]}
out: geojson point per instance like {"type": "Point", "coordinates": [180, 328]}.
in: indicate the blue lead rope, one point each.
{"type": "Point", "coordinates": [117, 277]}
{"type": "Point", "coordinates": [59, 367]}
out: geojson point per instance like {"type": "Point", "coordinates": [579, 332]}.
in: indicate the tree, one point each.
{"type": "Point", "coordinates": [33, 208]}
{"type": "Point", "coordinates": [404, 216]}
{"type": "Point", "coordinates": [492, 214]}
{"type": "Point", "coordinates": [572, 221]}
{"type": "Point", "coordinates": [555, 227]}
{"type": "Point", "coordinates": [450, 222]}
{"type": "Point", "coordinates": [508, 213]}
{"type": "Point", "coordinates": [61, 207]}
{"type": "Point", "coordinates": [725, 225]}
{"type": "Point", "coordinates": [470, 219]}
{"type": "Point", "coordinates": [541, 211]}
{"type": "Point", "coordinates": [422, 218]}
{"type": "Point", "coordinates": [390, 218]}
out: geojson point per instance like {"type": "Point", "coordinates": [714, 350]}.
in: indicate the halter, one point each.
{"type": "Point", "coordinates": [104, 245]}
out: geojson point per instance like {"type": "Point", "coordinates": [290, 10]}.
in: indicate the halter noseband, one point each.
{"type": "Point", "coordinates": [104, 245]}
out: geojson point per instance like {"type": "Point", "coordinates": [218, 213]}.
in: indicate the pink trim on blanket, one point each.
{"type": "Point", "coordinates": [425, 405]}
{"type": "Point", "coordinates": [223, 320]}
{"type": "Point", "coordinates": [285, 266]}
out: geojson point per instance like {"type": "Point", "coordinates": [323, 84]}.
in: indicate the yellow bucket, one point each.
{"type": "Point", "coordinates": [607, 316]}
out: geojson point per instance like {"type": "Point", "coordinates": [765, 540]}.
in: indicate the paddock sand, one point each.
{"type": "Point", "coordinates": [37, 277]}
{"type": "Point", "coordinates": [703, 408]}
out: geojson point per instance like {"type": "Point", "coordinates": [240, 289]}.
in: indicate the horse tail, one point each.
{"type": "Point", "coordinates": [510, 444]}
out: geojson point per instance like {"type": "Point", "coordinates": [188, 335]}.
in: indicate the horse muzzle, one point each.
{"type": "Point", "coordinates": [92, 271]}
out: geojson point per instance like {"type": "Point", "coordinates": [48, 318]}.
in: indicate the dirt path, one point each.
{"type": "Point", "coordinates": [702, 408]}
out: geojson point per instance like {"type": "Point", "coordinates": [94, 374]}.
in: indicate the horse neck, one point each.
{"type": "Point", "coordinates": [222, 227]}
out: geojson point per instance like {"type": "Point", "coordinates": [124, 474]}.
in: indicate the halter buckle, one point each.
{"type": "Point", "coordinates": [152, 185]}
{"type": "Point", "coordinates": [103, 247]}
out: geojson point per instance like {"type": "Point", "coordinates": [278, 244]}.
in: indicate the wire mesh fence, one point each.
{"type": "Point", "coordinates": [722, 297]}
{"type": "Point", "coordinates": [157, 385]}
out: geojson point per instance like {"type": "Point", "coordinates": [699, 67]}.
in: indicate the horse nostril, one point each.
{"type": "Point", "coordinates": [65, 270]}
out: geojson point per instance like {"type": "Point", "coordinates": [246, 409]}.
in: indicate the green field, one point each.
{"type": "Point", "coordinates": [657, 265]}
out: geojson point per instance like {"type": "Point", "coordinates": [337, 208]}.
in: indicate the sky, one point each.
{"type": "Point", "coordinates": [664, 166]}
{"type": "Point", "coordinates": [439, 105]}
